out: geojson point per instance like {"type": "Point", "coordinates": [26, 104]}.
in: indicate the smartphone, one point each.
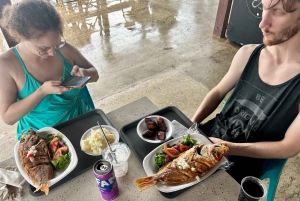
{"type": "Point", "coordinates": [75, 82]}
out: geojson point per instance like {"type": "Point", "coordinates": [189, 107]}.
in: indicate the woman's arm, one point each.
{"type": "Point", "coordinates": [12, 110]}
{"type": "Point", "coordinates": [82, 67]}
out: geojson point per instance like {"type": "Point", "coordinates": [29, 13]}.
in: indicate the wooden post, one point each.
{"type": "Point", "coordinates": [222, 18]}
{"type": "Point", "coordinates": [10, 41]}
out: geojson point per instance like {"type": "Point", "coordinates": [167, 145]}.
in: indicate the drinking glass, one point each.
{"type": "Point", "coordinates": [252, 189]}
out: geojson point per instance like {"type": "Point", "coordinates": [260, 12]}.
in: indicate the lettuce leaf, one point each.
{"type": "Point", "coordinates": [48, 138]}
{"type": "Point", "coordinates": [62, 162]}
{"type": "Point", "coordinates": [188, 141]}
{"type": "Point", "coordinates": [160, 159]}
{"type": "Point", "coordinates": [59, 136]}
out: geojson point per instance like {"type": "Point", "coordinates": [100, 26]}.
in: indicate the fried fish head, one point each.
{"type": "Point", "coordinates": [27, 141]}
{"type": "Point", "coordinates": [216, 150]}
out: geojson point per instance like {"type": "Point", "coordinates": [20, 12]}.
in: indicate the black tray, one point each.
{"type": "Point", "coordinates": [142, 148]}
{"type": "Point", "coordinates": [74, 129]}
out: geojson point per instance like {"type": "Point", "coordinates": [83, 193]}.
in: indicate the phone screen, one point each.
{"type": "Point", "coordinates": [75, 82]}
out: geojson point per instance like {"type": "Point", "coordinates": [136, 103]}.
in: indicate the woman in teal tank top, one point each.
{"type": "Point", "coordinates": [52, 109]}
{"type": "Point", "coordinates": [34, 69]}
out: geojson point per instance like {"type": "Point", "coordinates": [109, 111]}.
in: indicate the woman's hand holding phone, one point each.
{"type": "Point", "coordinates": [53, 87]}
{"type": "Point", "coordinates": [75, 82]}
{"type": "Point", "coordinates": [79, 72]}
{"type": "Point", "coordinates": [79, 80]}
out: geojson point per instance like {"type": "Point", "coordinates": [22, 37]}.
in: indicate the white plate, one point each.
{"type": "Point", "coordinates": [150, 167]}
{"type": "Point", "coordinates": [88, 133]}
{"type": "Point", "coordinates": [142, 127]}
{"type": "Point", "coordinates": [58, 174]}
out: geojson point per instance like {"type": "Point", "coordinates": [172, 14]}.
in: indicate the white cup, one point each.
{"type": "Point", "coordinates": [122, 153]}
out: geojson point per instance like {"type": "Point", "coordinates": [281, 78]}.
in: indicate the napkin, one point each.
{"type": "Point", "coordinates": [11, 183]}
{"type": "Point", "coordinates": [180, 130]}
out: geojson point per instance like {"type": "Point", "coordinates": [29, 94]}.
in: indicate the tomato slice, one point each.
{"type": "Point", "coordinates": [53, 146]}
{"type": "Point", "coordinates": [183, 147]}
{"type": "Point", "coordinates": [59, 152]}
{"type": "Point", "coordinates": [172, 152]}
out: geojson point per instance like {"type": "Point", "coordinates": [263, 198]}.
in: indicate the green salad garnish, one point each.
{"type": "Point", "coordinates": [160, 159]}
{"type": "Point", "coordinates": [62, 162]}
{"type": "Point", "coordinates": [188, 141]}
{"type": "Point", "coordinates": [50, 137]}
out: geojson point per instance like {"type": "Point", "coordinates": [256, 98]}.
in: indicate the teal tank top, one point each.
{"type": "Point", "coordinates": [53, 108]}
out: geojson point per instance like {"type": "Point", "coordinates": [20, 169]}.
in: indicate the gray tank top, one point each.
{"type": "Point", "coordinates": [257, 111]}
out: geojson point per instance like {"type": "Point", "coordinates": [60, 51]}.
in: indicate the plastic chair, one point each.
{"type": "Point", "coordinates": [272, 169]}
{"type": "Point", "coordinates": [86, 97]}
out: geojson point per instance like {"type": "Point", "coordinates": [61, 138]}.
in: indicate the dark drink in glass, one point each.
{"type": "Point", "coordinates": [252, 189]}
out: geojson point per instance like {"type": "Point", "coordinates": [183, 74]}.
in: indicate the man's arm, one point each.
{"type": "Point", "coordinates": [216, 95]}
{"type": "Point", "coordinates": [286, 148]}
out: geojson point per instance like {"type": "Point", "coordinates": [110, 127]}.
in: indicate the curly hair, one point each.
{"type": "Point", "coordinates": [31, 19]}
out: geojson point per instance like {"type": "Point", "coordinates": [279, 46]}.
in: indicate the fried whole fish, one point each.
{"type": "Point", "coordinates": [38, 165]}
{"type": "Point", "coordinates": [189, 166]}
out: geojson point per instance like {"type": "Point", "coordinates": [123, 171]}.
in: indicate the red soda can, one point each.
{"type": "Point", "coordinates": [106, 180]}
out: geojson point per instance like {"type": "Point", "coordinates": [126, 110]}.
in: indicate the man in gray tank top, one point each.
{"type": "Point", "coordinates": [261, 117]}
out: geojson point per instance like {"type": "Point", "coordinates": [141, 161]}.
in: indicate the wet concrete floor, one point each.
{"type": "Point", "coordinates": [160, 49]}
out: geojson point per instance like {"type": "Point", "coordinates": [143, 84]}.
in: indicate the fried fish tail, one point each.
{"type": "Point", "coordinates": [145, 182]}
{"type": "Point", "coordinates": [40, 176]}
{"type": "Point", "coordinates": [43, 187]}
